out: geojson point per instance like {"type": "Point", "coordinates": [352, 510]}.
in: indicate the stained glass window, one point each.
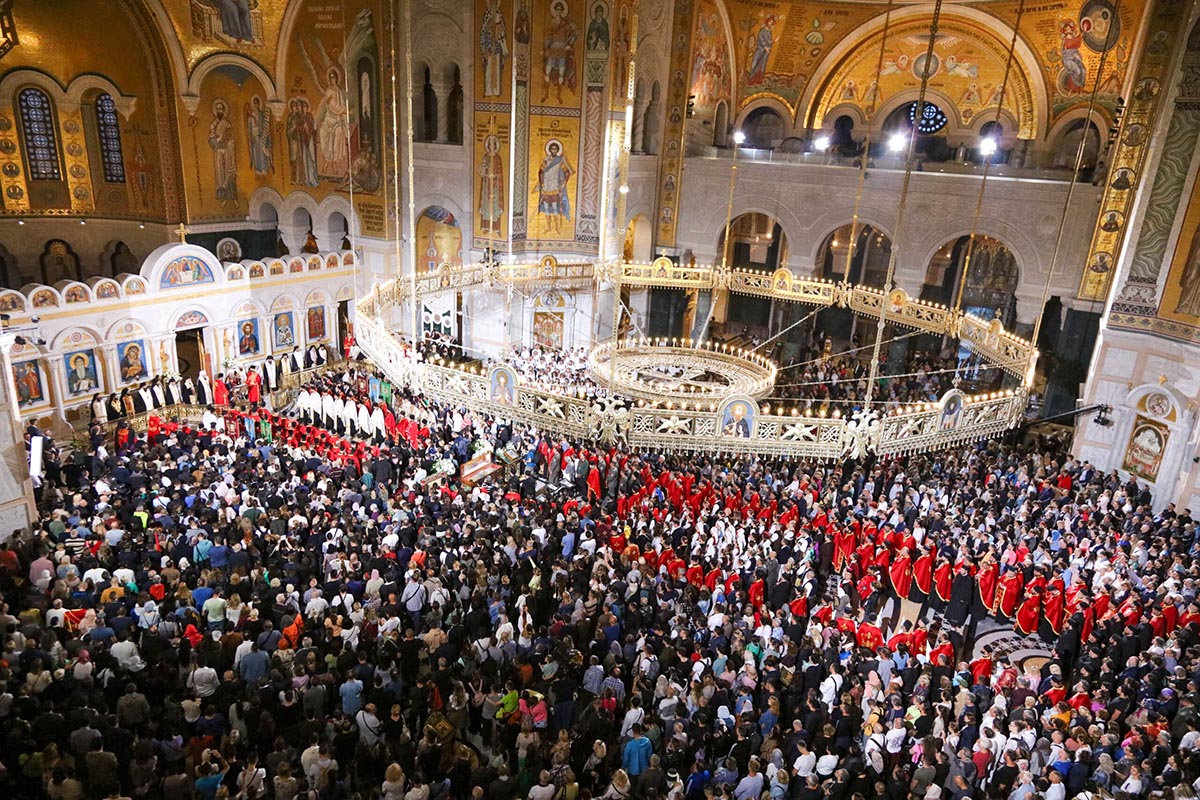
{"type": "Point", "coordinates": [109, 133]}
{"type": "Point", "coordinates": [933, 119]}
{"type": "Point", "coordinates": [41, 135]}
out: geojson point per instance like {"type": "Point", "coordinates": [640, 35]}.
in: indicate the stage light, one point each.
{"type": "Point", "coordinates": [987, 146]}
{"type": "Point", "coordinates": [821, 144]}
{"type": "Point", "coordinates": [897, 142]}
{"type": "Point", "coordinates": [738, 137]}
{"type": "Point", "coordinates": [624, 189]}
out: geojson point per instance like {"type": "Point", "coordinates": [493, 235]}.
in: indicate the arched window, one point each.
{"type": "Point", "coordinates": [933, 119]}
{"type": "Point", "coordinates": [41, 135]}
{"type": "Point", "coordinates": [108, 132]}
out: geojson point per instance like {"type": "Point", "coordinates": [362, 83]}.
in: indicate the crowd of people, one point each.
{"type": "Point", "coordinates": [206, 611]}
{"type": "Point", "coordinates": [561, 371]}
{"type": "Point", "coordinates": [815, 379]}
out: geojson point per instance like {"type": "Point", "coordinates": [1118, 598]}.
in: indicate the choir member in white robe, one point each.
{"type": "Point", "coordinates": [364, 420]}
{"type": "Point", "coordinates": [379, 424]}
{"type": "Point", "coordinates": [328, 411]}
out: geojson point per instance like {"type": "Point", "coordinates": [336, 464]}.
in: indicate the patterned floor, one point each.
{"type": "Point", "coordinates": [1025, 652]}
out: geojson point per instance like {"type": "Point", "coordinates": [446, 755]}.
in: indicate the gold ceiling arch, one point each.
{"type": "Point", "coordinates": [967, 69]}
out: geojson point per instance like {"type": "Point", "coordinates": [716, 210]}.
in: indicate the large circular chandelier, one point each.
{"type": "Point", "coordinates": [681, 372]}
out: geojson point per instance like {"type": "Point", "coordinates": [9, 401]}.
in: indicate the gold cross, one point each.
{"type": "Point", "coordinates": [182, 231]}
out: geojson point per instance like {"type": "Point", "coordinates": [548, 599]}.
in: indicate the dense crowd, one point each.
{"type": "Point", "coordinates": [562, 371]}
{"type": "Point", "coordinates": [206, 612]}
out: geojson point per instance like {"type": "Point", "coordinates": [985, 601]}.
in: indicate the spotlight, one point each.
{"type": "Point", "coordinates": [738, 137]}
{"type": "Point", "coordinates": [987, 146]}
{"type": "Point", "coordinates": [821, 144]}
{"type": "Point", "coordinates": [624, 189]}
{"type": "Point", "coordinates": [20, 222]}
{"type": "Point", "coordinates": [83, 222]}
{"type": "Point", "coordinates": [897, 142]}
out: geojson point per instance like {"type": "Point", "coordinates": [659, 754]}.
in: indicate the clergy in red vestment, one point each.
{"type": "Point", "coordinates": [1012, 584]}
{"type": "Point", "coordinates": [901, 575]}
{"type": "Point", "coordinates": [253, 386]}
{"type": "Point", "coordinates": [922, 574]}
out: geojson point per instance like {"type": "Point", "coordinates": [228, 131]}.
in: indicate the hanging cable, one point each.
{"type": "Point", "coordinates": [908, 170]}
{"type": "Point", "coordinates": [412, 197]}
{"type": "Point", "coordinates": [866, 153]}
{"type": "Point", "coordinates": [1062, 221]}
{"type": "Point", "coordinates": [346, 105]}
{"type": "Point", "coordinates": [1012, 46]}
{"type": "Point", "coordinates": [821, 358]}
{"type": "Point", "coordinates": [800, 321]}
{"type": "Point", "coordinates": [395, 33]}
{"type": "Point", "coordinates": [897, 376]}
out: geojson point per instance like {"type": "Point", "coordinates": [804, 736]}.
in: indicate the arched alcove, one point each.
{"type": "Point", "coordinates": [454, 107]}
{"type": "Point", "coordinates": [1065, 150]}
{"type": "Point", "coordinates": [868, 251]}
{"type": "Point", "coordinates": [756, 242]}
{"type": "Point", "coordinates": [721, 125]}
{"type": "Point", "coordinates": [652, 121]}
{"type": "Point", "coordinates": [992, 277]}
{"type": "Point", "coordinates": [639, 239]}
{"type": "Point", "coordinates": [427, 97]}
{"type": "Point", "coordinates": [339, 232]}
{"type": "Point", "coordinates": [763, 127]}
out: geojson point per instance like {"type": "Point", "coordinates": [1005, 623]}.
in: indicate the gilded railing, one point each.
{"type": "Point", "coordinates": [737, 425]}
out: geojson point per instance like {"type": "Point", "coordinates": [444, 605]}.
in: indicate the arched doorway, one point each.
{"type": "Point", "coordinates": [930, 128]}
{"type": "Point", "coordinates": [302, 227]}
{"type": "Point", "coordinates": [721, 125]}
{"type": "Point", "coordinates": [842, 142]}
{"type": "Point", "coordinates": [763, 128]}
{"type": "Point", "coordinates": [339, 231]}
{"type": "Point", "coordinates": [756, 242]}
{"type": "Point", "coordinates": [440, 241]}
{"type": "Point", "coordinates": [638, 240]}
{"type": "Point", "coordinates": [1067, 149]}
{"type": "Point", "coordinates": [869, 250]}
{"type": "Point", "coordinates": [991, 282]}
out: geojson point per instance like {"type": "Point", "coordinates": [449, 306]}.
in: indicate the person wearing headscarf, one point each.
{"type": "Point", "coordinates": [148, 616]}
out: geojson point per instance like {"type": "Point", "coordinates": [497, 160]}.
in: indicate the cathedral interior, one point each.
{"type": "Point", "coordinates": [194, 186]}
